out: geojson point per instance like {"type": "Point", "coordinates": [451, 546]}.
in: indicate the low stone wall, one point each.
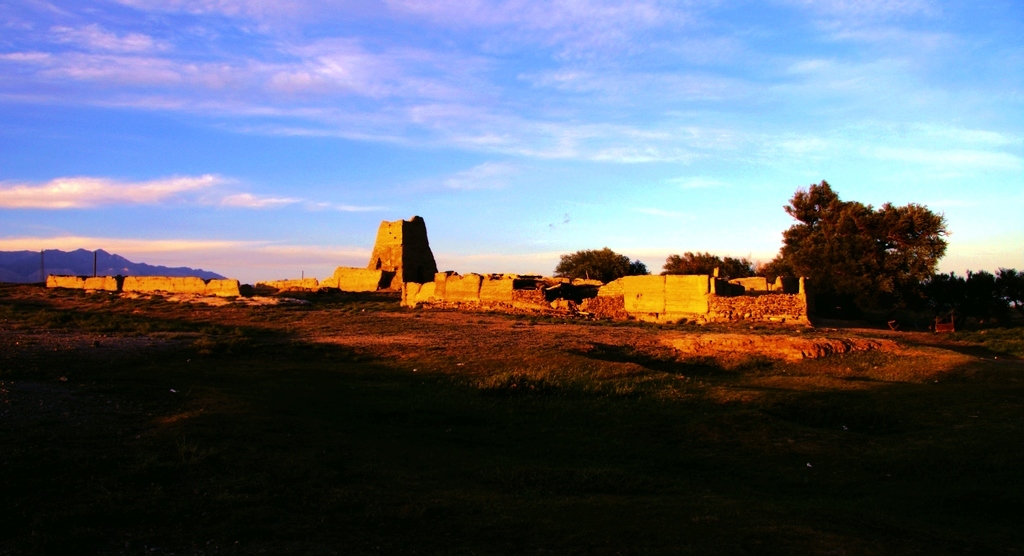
{"type": "Point", "coordinates": [91, 283]}
{"type": "Point", "coordinates": [487, 291]}
{"type": "Point", "coordinates": [148, 284]}
{"type": "Point", "coordinates": [358, 280]}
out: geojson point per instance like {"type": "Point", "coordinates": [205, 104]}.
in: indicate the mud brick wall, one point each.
{"type": "Point", "coordinates": [774, 307]}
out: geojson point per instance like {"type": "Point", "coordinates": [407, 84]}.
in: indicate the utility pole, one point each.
{"type": "Point", "coordinates": [93, 264]}
{"type": "Point", "coordinates": [42, 266]}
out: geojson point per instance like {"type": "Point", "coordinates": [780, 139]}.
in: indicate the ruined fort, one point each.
{"type": "Point", "coordinates": [402, 261]}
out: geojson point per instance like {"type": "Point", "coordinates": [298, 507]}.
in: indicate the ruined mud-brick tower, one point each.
{"type": "Point", "coordinates": [402, 248]}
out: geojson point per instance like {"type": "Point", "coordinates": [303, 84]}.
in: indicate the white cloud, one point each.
{"type": "Point", "coordinates": [87, 192]}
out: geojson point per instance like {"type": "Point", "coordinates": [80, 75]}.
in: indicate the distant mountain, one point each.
{"type": "Point", "coordinates": [23, 266]}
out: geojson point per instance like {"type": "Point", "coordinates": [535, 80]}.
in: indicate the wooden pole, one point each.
{"type": "Point", "coordinates": [42, 266]}
{"type": "Point", "coordinates": [93, 264]}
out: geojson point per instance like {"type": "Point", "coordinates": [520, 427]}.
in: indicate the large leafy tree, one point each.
{"type": "Point", "coordinates": [598, 264]}
{"type": "Point", "coordinates": [706, 263]}
{"type": "Point", "coordinates": [875, 258]}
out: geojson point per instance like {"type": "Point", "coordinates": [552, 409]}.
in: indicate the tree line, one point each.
{"type": "Point", "coordinates": [859, 259]}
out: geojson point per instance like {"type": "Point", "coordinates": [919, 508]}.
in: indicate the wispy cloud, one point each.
{"type": "Point", "coordinates": [92, 192]}
{"type": "Point", "coordinates": [946, 158]}
{"type": "Point", "coordinates": [489, 175]}
{"type": "Point", "coordinates": [579, 29]}
{"type": "Point", "coordinates": [866, 8]}
{"type": "Point", "coordinates": [661, 212]}
{"type": "Point", "coordinates": [696, 182]}
{"type": "Point", "coordinates": [88, 192]}
{"type": "Point", "coordinates": [248, 200]}
{"type": "Point", "coordinates": [94, 37]}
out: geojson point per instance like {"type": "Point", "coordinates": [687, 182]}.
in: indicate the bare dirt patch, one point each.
{"type": "Point", "coordinates": [791, 348]}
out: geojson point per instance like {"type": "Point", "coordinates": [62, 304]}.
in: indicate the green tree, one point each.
{"type": "Point", "coordinates": [854, 253]}
{"type": "Point", "coordinates": [598, 264]}
{"type": "Point", "coordinates": [706, 263]}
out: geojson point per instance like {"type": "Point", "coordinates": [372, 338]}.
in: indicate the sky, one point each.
{"type": "Point", "coordinates": [267, 139]}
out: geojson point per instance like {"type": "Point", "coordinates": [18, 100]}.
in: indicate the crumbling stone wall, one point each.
{"type": "Point", "coordinates": [702, 298]}
{"type": "Point", "coordinates": [769, 307]}
{"type": "Point", "coordinates": [403, 249]}
{"type": "Point", "coordinates": [358, 279]}
{"type": "Point", "coordinates": [186, 285]}
{"type": "Point", "coordinates": [494, 291]}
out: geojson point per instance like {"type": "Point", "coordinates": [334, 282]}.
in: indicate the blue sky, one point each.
{"type": "Point", "coordinates": [266, 139]}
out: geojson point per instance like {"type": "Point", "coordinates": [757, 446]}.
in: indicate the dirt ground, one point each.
{"type": "Point", "coordinates": [345, 424]}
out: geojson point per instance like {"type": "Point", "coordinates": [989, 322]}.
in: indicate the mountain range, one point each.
{"type": "Point", "coordinates": [24, 266]}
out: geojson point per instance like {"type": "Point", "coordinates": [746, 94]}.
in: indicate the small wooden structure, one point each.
{"type": "Point", "coordinates": [945, 325]}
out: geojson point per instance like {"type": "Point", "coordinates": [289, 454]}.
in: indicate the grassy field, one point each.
{"type": "Point", "coordinates": [349, 426]}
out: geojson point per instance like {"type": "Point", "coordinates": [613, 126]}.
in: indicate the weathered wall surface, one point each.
{"type": "Point", "coordinates": [165, 284]}
{"type": "Point", "coordinates": [223, 288]}
{"type": "Point", "coordinates": [655, 298]}
{"type": "Point", "coordinates": [686, 294]}
{"type": "Point", "coordinates": [644, 294]}
{"type": "Point", "coordinates": [103, 283]}
{"type": "Point", "coordinates": [462, 289]}
{"type": "Point", "coordinates": [414, 293]}
{"type": "Point", "coordinates": [92, 283]}
{"type": "Point", "coordinates": [496, 289]}
{"type": "Point", "coordinates": [752, 284]}
{"type": "Point", "coordinates": [70, 282]}
{"type": "Point", "coordinates": [402, 248]}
